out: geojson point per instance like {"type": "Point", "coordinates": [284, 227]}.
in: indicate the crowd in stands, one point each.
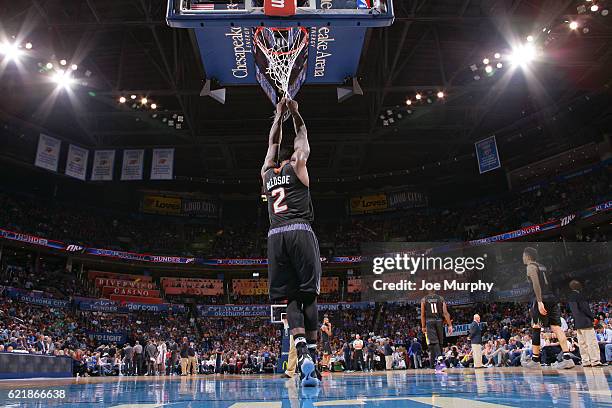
{"type": "Point", "coordinates": [181, 345]}
{"type": "Point", "coordinates": [184, 343]}
{"type": "Point", "coordinates": [141, 233]}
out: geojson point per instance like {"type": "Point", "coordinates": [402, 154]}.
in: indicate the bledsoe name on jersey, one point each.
{"type": "Point", "coordinates": [278, 181]}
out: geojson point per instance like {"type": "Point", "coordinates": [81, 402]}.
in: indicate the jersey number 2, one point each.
{"type": "Point", "coordinates": [279, 205]}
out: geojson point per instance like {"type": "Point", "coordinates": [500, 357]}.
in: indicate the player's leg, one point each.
{"type": "Point", "coordinates": [554, 319]}
{"type": "Point", "coordinates": [306, 260]}
{"type": "Point", "coordinates": [536, 328]}
{"type": "Point", "coordinates": [311, 317]}
{"type": "Point", "coordinates": [434, 342]}
{"type": "Point", "coordinates": [284, 285]}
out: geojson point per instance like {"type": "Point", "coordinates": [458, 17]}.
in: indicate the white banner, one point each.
{"type": "Point", "coordinates": [103, 165]}
{"type": "Point", "coordinates": [76, 162]}
{"type": "Point", "coordinates": [47, 154]}
{"type": "Point", "coordinates": [132, 165]}
{"type": "Point", "coordinates": [162, 165]}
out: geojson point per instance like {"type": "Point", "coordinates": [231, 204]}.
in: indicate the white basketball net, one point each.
{"type": "Point", "coordinates": [281, 46]}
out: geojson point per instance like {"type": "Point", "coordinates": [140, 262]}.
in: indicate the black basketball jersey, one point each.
{"type": "Point", "coordinates": [545, 284]}
{"type": "Point", "coordinates": [288, 198]}
{"type": "Point", "coordinates": [434, 307]}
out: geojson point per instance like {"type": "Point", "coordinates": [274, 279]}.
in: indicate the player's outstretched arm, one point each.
{"type": "Point", "coordinates": [274, 140]}
{"type": "Point", "coordinates": [301, 147]}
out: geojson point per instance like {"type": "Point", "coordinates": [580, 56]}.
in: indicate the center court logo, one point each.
{"type": "Point", "coordinates": [241, 42]}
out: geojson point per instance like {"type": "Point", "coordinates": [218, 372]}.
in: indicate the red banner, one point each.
{"type": "Point", "coordinates": [330, 284]}
{"type": "Point", "coordinates": [192, 283]}
{"type": "Point", "coordinates": [354, 285]}
{"type": "Point", "coordinates": [193, 291]}
{"type": "Point", "coordinates": [112, 290]}
{"type": "Point", "coordinates": [121, 276]}
{"type": "Point", "coordinates": [120, 283]}
{"type": "Point", "coordinates": [250, 286]}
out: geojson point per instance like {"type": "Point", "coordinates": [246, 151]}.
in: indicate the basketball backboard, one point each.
{"type": "Point", "coordinates": [225, 32]}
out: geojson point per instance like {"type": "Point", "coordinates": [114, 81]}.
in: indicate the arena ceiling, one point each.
{"type": "Point", "coordinates": [128, 49]}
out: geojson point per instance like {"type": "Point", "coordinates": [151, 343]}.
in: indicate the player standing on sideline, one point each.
{"type": "Point", "coordinates": [326, 333]}
{"type": "Point", "coordinates": [433, 309]}
{"type": "Point", "coordinates": [294, 260]}
{"type": "Point", "coordinates": [544, 311]}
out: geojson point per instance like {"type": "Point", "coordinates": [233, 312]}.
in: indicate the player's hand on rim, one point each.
{"type": "Point", "coordinates": [281, 106]}
{"type": "Point", "coordinates": [292, 105]}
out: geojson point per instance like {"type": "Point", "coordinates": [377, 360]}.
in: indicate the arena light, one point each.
{"type": "Point", "coordinates": [63, 62]}
{"type": "Point", "coordinates": [485, 61]}
{"type": "Point", "coordinates": [488, 69]}
{"type": "Point", "coordinates": [497, 55]}
{"type": "Point", "coordinates": [408, 102]}
{"type": "Point", "coordinates": [594, 8]}
{"type": "Point", "coordinates": [522, 55]}
{"type": "Point", "coordinates": [573, 25]}
{"type": "Point", "coordinates": [605, 12]}
{"type": "Point", "coordinates": [132, 97]}
{"type": "Point", "coordinates": [440, 94]}
{"type": "Point", "coordinates": [74, 67]}
{"type": "Point", "coordinates": [153, 106]}
{"type": "Point", "coordinates": [63, 79]}
{"type": "Point", "coordinates": [499, 65]}
{"type": "Point", "coordinates": [530, 38]}
{"type": "Point", "coordinates": [122, 99]}
{"type": "Point", "coordinates": [10, 51]}
{"type": "Point", "coordinates": [144, 101]}
{"type": "Point", "coordinates": [49, 65]}
{"type": "Point", "coordinates": [28, 46]}
{"type": "Point", "coordinates": [418, 97]}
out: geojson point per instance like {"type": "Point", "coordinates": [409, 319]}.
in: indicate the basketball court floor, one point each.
{"type": "Point", "coordinates": [457, 388]}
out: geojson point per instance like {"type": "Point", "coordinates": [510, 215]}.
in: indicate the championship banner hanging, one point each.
{"type": "Point", "coordinates": [76, 162]}
{"type": "Point", "coordinates": [132, 165]}
{"type": "Point", "coordinates": [47, 153]}
{"type": "Point", "coordinates": [103, 165]}
{"type": "Point", "coordinates": [487, 154]}
{"type": "Point", "coordinates": [162, 165]}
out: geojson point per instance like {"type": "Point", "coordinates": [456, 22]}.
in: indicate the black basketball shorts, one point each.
{"type": "Point", "coordinates": [294, 262]}
{"type": "Point", "coordinates": [435, 332]}
{"type": "Point", "coordinates": [552, 317]}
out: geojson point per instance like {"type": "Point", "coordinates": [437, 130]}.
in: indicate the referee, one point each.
{"type": "Point", "coordinates": [433, 312]}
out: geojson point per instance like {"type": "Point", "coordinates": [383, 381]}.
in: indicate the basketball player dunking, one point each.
{"type": "Point", "coordinates": [544, 311]}
{"type": "Point", "coordinates": [433, 309]}
{"type": "Point", "coordinates": [294, 260]}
